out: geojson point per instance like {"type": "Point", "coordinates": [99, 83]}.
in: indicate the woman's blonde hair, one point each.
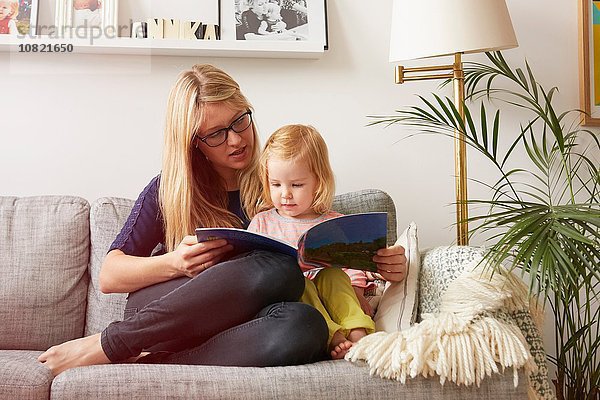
{"type": "Point", "coordinates": [192, 193]}
{"type": "Point", "coordinates": [300, 143]}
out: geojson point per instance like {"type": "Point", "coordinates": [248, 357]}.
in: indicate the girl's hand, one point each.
{"type": "Point", "coordinates": [391, 263]}
{"type": "Point", "coordinates": [190, 257]}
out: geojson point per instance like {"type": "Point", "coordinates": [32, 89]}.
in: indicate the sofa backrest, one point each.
{"type": "Point", "coordinates": [44, 254]}
{"type": "Point", "coordinates": [108, 215]}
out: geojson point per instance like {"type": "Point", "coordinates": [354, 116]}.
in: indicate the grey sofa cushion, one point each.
{"type": "Point", "coordinates": [108, 215]}
{"type": "Point", "coordinates": [22, 377]}
{"type": "Point", "coordinates": [44, 252]}
{"type": "Point", "coordinates": [324, 380]}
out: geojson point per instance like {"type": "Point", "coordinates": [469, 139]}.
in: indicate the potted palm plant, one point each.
{"type": "Point", "coordinates": [542, 217]}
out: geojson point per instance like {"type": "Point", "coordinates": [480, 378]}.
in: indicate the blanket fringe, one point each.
{"type": "Point", "coordinates": [459, 344]}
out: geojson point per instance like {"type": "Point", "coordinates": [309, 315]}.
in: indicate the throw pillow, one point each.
{"type": "Point", "coordinates": [397, 309]}
{"type": "Point", "coordinates": [440, 266]}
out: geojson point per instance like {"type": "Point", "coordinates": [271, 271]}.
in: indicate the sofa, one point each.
{"type": "Point", "coordinates": [51, 250]}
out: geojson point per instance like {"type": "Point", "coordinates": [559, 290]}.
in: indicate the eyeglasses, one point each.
{"type": "Point", "coordinates": [219, 137]}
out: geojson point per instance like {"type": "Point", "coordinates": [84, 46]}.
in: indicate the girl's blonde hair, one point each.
{"type": "Point", "coordinates": [191, 192]}
{"type": "Point", "coordinates": [14, 8]}
{"type": "Point", "coordinates": [300, 143]}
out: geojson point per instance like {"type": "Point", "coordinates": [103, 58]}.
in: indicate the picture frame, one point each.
{"type": "Point", "coordinates": [301, 21]}
{"type": "Point", "coordinates": [589, 61]}
{"type": "Point", "coordinates": [83, 16]}
{"type": "Point", "coordinates": [19, 17]}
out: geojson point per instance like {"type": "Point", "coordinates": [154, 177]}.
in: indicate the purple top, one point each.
{"type": "Point", "coordinates": [143, 233]}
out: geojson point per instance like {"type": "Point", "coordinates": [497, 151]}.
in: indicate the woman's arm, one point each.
{"type": "Point", "coordinates": [122, 273]}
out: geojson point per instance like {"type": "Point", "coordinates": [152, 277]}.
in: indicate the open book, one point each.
{"type": "Point", "coordinates": [348, 241]}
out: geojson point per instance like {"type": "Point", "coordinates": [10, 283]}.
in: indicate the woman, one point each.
{"type": "Point", "coordinates": [206, 308]}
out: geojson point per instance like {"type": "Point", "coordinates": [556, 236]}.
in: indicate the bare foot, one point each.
{"type": "Point", "coordinates": [339, 346]}
{"type": "Point", "coordinates": [74, 353]}
{"type": "Point", "coordinates": [356, 334]}
{"type": "Point", "coordinates": [339, 351]}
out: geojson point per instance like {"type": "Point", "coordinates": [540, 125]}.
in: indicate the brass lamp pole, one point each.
{"type": "Point", "coordinates": [460, 147]}
{"type": "Point", "coordinates": [433, 28]}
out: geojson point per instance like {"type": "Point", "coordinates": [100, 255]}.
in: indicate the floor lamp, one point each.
{"type": "Point", "coordinates": [432, 28]}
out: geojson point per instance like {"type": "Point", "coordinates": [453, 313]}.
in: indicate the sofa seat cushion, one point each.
{"type": "Point", "coordinates": [324, 380]}
{"type": "Point", "coordinates": [44, 253]}
{"type": "Point", "coordinates": [22, 376]}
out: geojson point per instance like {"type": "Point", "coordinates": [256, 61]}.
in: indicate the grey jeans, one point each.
{"type": "Point", "coordinates": [242, 312]}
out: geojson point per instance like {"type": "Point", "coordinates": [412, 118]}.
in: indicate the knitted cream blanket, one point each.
{"type": "Point", "coordinates": [462, 343]}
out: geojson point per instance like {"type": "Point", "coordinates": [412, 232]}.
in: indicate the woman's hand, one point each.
{"type": "Point", "coordinates": [190, 257]}
{"type": "Point", "coordinates": [391, 263]}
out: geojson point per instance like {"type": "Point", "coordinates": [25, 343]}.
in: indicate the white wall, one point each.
{"type": "Point", "coordinates": [91, 125]}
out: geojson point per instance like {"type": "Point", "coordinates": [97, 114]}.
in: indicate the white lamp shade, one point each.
{"type": "Point", "coordinates": [429, 28]}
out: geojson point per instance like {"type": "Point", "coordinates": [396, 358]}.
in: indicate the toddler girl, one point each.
{"type": "Point", "coordinates": [298, 183]}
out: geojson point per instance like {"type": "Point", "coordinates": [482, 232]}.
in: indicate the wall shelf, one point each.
{"type": "Point", "coordinates": [168, 47]}
{"type": "Point", "coordinates": [140, 10]}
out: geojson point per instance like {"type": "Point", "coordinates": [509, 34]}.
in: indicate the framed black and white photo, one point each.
{"type": "Point", "coordinates": [276, 20]}
{"type": "Point", "coordinates": [18, 17]}
{"type": "Point", "coordinates": [87, 15]}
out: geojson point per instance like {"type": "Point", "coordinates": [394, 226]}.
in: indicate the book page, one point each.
{"type": "Point", "coordinates": [348, 241]}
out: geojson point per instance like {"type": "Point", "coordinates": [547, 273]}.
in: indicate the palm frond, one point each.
{"type": "Point", "coordinates": [542, 217]}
